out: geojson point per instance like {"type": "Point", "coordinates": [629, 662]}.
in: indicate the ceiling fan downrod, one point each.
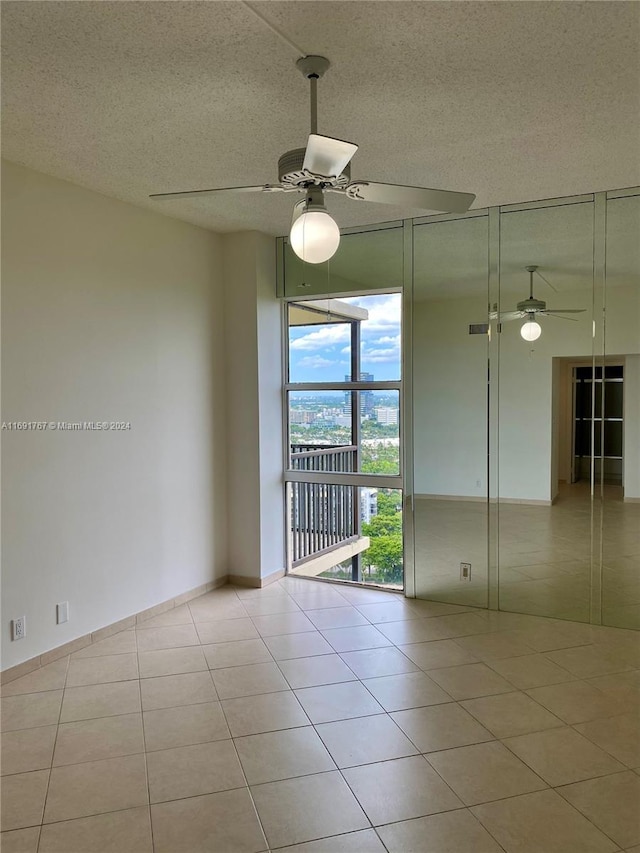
{"type": "Point", "coordinates": [313, 68]}
{"type": "Point", "coordinates": [531, 269]}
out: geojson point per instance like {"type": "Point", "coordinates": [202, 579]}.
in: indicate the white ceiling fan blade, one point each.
{"type": "Point", "coordinates": [418, 197]}
{"type": "Point", "coordinates": [563, 311]}
{"type": "Point", "coordinates": [511, 315]}
{"type": "Point", "coordinates": [263, 188]}
{"type": "Point", "coordinates": [327, 156]}
{"type": "Point", "coordinates": [559, 316]}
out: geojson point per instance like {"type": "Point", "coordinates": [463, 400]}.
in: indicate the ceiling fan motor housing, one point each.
{"type": "Point", "coordinates": [532, 305]}
{"type": "Point", "coordinates": [291, 173]}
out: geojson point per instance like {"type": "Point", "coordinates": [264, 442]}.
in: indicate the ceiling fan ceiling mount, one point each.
{"type": "Point", "coordinates": [313, 67]}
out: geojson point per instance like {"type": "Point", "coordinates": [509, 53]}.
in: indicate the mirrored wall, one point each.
{"type": "Point", "coordinates": [450, 416]}
{"type": "Point", "coordinates": [620, 544]}
{"type": "Point", "coordinates": [526, 408]}
{"type": "Point", "coordinates": [544, 447]}
{"type": "Point", "coordinates": [519, 399]}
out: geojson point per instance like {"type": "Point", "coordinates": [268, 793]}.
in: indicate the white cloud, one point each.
{"type": "Point", "coordinates": [381, 350]}
{"type": "Point", "coordinates": [388, 339]}
{"type": "Point", "coordinates": [315, 362]}
{"type": "Point", "coordinates": [384, 312]}
{"type": "Point", "coordinates": [381, 356]}
{"type": "Point", "coordinates": [381, 335]}
{"type": "Point", "coordinates": [326, 336]}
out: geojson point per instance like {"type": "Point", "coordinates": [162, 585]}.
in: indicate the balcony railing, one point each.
{"type": "Point", "coordinates": [323, 517]}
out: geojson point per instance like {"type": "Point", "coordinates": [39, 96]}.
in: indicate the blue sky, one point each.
{"type": "Point", "coordinates": [322, 353]}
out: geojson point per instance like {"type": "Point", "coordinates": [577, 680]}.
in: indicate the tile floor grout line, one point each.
{"type": "Point", "coordinates": [53, 752]}
{"type": "Point", "coordinates": [244, 775]}
{"type": "Point", "coordinates": [582, 813]}
{"type": "Point", "coordinates": [73, 659]}
{"type": "Point", "coordinates": [596, 776]}
{"type": "Point", "coordinates": [463, 808]}
{"type": "Point", "coordinates": [328, 837]}
{"type": "Point", "coordinates": [601, 748]}
{"type": "Point", "coordinates": [85, 817]}
{"type": "Point", "coordinates": [144, 745]}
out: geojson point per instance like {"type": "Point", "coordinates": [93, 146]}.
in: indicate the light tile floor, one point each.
{"type": "Point", "coordinates": [324, 719]}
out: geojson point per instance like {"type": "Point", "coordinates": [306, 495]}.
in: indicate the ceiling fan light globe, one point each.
{"type": "Point", "coordinates": [531, 330]}
{"type": "Point", "coordinates": [314, 236]}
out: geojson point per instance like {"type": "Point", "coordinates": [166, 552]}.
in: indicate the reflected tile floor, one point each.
{"type": "Point", "coordinates": [545, 554]}
{"type": "Point", "coordinates": [250, 721]}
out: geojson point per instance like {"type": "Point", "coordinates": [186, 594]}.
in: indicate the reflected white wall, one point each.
{"type": "Point", "coordinates": [450, 399]}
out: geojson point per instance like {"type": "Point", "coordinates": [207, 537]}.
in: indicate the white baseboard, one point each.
{"type": "Point", "coordinates": [483, 499]}
{"type": "Point", "coordinates": [34, 663]}
{"type": "Point", "coordinates": [256, 583]}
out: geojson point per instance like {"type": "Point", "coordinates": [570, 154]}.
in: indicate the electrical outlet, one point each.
{"type": "Point", "coordinates": [18, 628]}
{"type": "Point", "coordinates": [62, 612]}
{"type": "Point", "coordinates": [465, 571]}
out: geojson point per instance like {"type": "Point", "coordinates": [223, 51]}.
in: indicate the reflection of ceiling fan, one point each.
{"type": "Point", "coordinates": [323, 166]}
{"type": "Point", "coordinates": [532, 307]}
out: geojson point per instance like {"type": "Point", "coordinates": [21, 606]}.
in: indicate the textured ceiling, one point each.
{"type": "Point", "coordinates": [511, 100]}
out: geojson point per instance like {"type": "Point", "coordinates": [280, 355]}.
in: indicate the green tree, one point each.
{"type": "Point", "coordinates": [384, 555]}
{"type": "Point", "coordinates": [383, 525]}
{"type": "Point", "coordinates": [389, 502]}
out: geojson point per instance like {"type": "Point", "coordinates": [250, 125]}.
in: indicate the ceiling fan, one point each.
{"type": "Point", "coordinates": [323, 166]}
{"type": "Point", "coordinates": [532, 307]}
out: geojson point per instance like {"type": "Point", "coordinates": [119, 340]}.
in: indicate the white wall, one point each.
{"type": "Point", "coordinates": [242, 406]}
{"type": "Point", "coordinates": [450, 395]}
{"type": "Point", "coordinates": [253, 334]}
{"type": "Point", "coordinates": [449, 398]}
{"type": "Point", "coordinates": [272, 517]}
{"type": "Point", "coordinates": [110, 313]}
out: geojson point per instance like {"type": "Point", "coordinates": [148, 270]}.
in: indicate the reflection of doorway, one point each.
{"type": "Point", "coordinates": [598, 423]}
{"type": "Point", "coordinates": [576, 412]}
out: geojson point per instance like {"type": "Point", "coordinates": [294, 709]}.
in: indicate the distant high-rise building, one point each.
{"type": "Point", "coordinates": [302, 416]}
{"type": "Point", "coordinates": [386, 415]}
{"type": "Point", "coordinates": [367, 399]}
{"type": "Point", "coordinates": [342, 420]}
{"type": "Point", "coordinates": [368, 504]}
